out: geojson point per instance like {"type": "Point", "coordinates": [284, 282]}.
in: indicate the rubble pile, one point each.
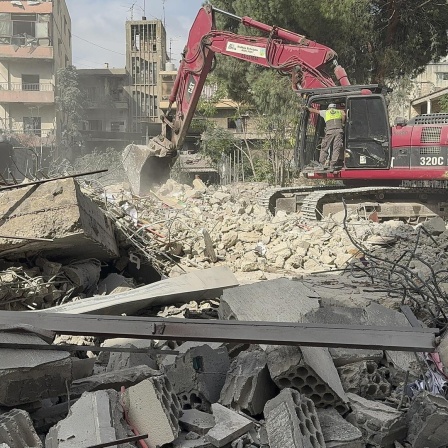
{"type": "Point", "coordinates": [219, 256]}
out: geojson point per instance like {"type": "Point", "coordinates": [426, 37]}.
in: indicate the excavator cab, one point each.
{"type": "Point", "coordinates": [367, 134]}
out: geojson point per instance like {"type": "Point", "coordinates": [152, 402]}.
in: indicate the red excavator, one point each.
{"type": "Point", "coordinates": [397, 172]}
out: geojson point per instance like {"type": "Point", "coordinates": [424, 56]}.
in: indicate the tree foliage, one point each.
{"type": "Point", "coordinates": [443, 101]}
{"type": "Point", "coordinates": [376, 40]}
{"type": "Point", "coordinates": [70, 102]}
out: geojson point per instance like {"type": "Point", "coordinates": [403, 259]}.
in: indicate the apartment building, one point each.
{"type": "Point", "coordinates": [145, 58]}
{"type": "Point", "coordinates": [35, 41]}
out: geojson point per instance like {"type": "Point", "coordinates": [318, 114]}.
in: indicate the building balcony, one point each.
{"type": "Point", "coordinates": [17, 92]}
{"type": "Point", "coordinates": [26, 52]}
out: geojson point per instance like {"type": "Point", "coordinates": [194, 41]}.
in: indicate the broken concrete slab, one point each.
{"type": "Point", "coordinates": [30, 375]}
{"type": "Point", "coordinates": [310, 370]}
{"type": "Point", "coordinates": [196, 421]}
{"type": "Point", "coordinates": [17, 431]}
{"type": "Point", "coordinates": [342, 356]}
{"type": "Point", "coordinates": [112, 380]}
{"type": "Point", "coordinates": [229, 426]}
{"type": "Point", "coordinates": [183, 348]}
{"type": "Point", "coordinates": [248, 384]}
{"type": "Point", "coordinates": [365, 379]}
{"type": "Point", "coordinates": [112, 282]}
{"type": "Point", "coordinates": [380, 424]}
{"type": "Point", "coordinates": [197, 285]}
{"type": "Point", "coordinates": [198, 376]}
{"type": "Point", "coordinates": [287, 300]}
{"type": "Point", "coordinates": [125, 360]}
{"type": "Point", "coordinates": [153, 409]}
{"type": "Point", "coordinates": [428, 421]}
{"type": "Point", "coordinates": [95, 418]}
{"type": "Point", "coordinates": [191, 440]}
{"type": "Point", "coordinates": [59, 211]}
{"type": "Point", "coordinates": [292, 422]}
{"type": "Point", "coordinates": [337, 432]}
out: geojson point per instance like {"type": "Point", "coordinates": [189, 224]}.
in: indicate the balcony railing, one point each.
{"type": "Point", "coordinates": [33, 87]}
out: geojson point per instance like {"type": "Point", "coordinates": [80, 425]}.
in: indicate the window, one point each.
{"type": "Point", "coordinates": [32, 125]}
{"type": "Point", "coordinates": [95, 125]}
{"type": "Point", "coordinates": [23, 28]}
{"type": "Point", "coordinates": [442, 76]}
{"type": "Point", "coordinates": [30, 82]}
{"type": "Point", "coordinates": [231, 123]}
{"type": "Point", "coordinates": [117, 126]}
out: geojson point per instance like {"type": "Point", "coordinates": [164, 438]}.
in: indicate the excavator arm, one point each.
{"type": "Point", "coordinates": [290, 53]}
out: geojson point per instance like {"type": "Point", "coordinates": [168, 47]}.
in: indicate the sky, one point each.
{"type": "Point", "coordinates": [101, 23]}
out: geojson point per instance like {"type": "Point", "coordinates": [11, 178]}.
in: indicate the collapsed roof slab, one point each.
{"type": "Point", "coordinates": [56, 220]}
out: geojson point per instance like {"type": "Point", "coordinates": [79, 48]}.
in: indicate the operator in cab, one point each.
{"type": "Point", "coordinates": [334, 133]}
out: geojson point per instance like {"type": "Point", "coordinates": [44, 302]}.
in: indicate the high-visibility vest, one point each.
{"type": "Point", "coordinates": [333, 119]}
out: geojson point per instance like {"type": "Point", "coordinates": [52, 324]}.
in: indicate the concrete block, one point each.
{"type": "Point", "coordinates": [112, 282]}
{"type": "Point", "coordinates": [126, 360]}
{"type": "Point", "coordinates": [311, 371]}
{"type": "Point", "coordinates": [428, 421]}
{"type": "Point", "coordinates": [229, 426]}
{"type": "Point", "coordinates": [248, 384]}
{"type": "Point", "coordinates": [31, 375]}
{"type": "Point", "coordinates": [183, 348]}
{"type": "Point", "coordinates": [342, 356]}
{"type": "Point", "coordinates": [198, 376]}
{"type": "Point", "coordinates": [154, 409]}
{"type": "Point", "coordinates": [281, 299]}
{"type": "Point", "coordinates": [60, 211]}
{"type": "Point", "coordinates": [196, 421]}
{"type": "Point", "coordinates": [292, 422]}
{"type": "Point", "coordinates": [189, 440]}
{"type": "Point", "coordinates": [380, 425]}
{"type": "Point", "coordinates": [365, 379]}
{"type": "Point", "coordinates": [337, 432]}
{"type": "Point", "coordinates": [398, 362]}
{"type": "Point", "coordinates": [17, 431]}
{"type": "Point", "coordinates": [103, 357]}
{"type": "Point", "coordinates": [112, 380]}
{"type": "Point", "coordinates": [95, 418]}
{"type": "Point", "coordinates": [82, 368]}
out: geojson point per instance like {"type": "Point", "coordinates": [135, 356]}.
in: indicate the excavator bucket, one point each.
{"type": "Point", "coordinates": [148, 165]}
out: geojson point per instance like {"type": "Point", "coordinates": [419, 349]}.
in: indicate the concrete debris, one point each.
{"type": "Point", "coordinates": [196, 421]}
{"type": "Point", "coordinates": [17, 431]}
{"type": "Point", "coordinates": [95, 418]}
{"type": "Point", "coordinates": [213, 252]}
{"type": "Point", "coordinates": [229, 426]}
{"type": "Point", "coordinates": [153, 408]}
{"type": "Point", "coordinates": [112, 380]}
{"type": "Point", "coordinates": [337, 432]}
{"type": "Point", "coordinates": [197, 285]}
{"type": "Point", "coordinates": [198, 376]}
{"type": "Point", "coordinates": [81, 231]}
{"type": "Point", "coordinates": [428, 421]}
{"type": "Point", "coordinates": [365, 379]}
{"type": "Point", "coordinates": [380, 424]}
{"type": "Point", "coordinates": [292, 421]}
{"type": "Point", "coordinates": [29, 375]}
{"type": "Point", "coordinates": [248, 384]}
{"type": "Point", "coordinates": [311, 371]}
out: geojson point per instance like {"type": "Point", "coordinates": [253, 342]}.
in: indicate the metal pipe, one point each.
{"type": "Point", "coordinates": [228, 14]}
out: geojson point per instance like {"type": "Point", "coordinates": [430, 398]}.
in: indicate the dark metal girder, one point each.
{"type": "Point", "coordinates": [276, 333]}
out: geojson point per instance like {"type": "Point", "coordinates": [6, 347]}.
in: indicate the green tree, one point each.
{"type": "Point", "coordinates": [443, 101]}
{"type": "Point", "coordinates": [70, 101]}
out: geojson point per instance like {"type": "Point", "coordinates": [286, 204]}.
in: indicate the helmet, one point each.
{"type": "Point", "coordinates": [332, 106]}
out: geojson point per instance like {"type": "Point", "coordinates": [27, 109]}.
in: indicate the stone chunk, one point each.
{"type": "Point", "coordinates": [187, 440]}
{"type": "Point", "coordinates": [248, 384]}
{"type": "Point", "coordinates": [95, 418]}
{"type": "Point", "coordinates": [380, 425]}
{"type": "Point", "coordinates": [229, 426]}
{"type": "Point", "coordinates": [287, 300]}
{"type": "Point", "coordinates": [17, 431]}
{"type": "Point", "coordinates": [310, 370]}
{"type": "Point", "coordinates": [153, 409]}
{"type": "Point", "coordinates": [126, 360]}
{"type": "Point", "coordinates": [292, 422]}
{"type": "Point", "coordinates": [112, 380]}
{"type": "Point", "coordinates": [435, 226]}
{"type": "Point", "coordinates": [196, 421]}
{"type": "Point", "coordinates": [365, 379]}
{"type": "Point", "coordinates": [342, 356]}
{"type": "Point", "coordinates": [198, 376]}
{"type": "Point", "coordinates": [337, 432]}
{"type": "Point", "coordinates": [428, 421]}
{"type": "Point", "coordinates": [31, 375]}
